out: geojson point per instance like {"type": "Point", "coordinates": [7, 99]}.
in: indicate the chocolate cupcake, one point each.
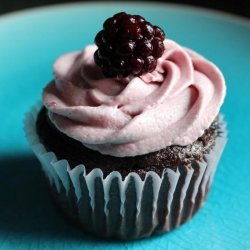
{"type": "Point", "coordinates": [129, 133]}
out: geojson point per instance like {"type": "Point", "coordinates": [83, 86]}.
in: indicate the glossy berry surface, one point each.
{"type": "Point", "coordinates": [128, 45]}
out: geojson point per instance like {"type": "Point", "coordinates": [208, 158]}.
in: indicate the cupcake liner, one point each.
{"type": "Point", "coordinates": [131, 208]}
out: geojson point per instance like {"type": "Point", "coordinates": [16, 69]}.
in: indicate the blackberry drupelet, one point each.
{"type": "Point", "coordinates": [128, 45]}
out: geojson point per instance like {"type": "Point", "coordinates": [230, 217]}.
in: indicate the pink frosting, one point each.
{"type": "Point", "coordinates": [171, 106]}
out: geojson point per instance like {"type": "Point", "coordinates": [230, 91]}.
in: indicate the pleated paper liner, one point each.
{"type": "Point", "coordinates": [131, 208]}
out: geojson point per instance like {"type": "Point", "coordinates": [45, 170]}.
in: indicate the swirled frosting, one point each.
{"type": "Point", "coordinates": [173, 105]}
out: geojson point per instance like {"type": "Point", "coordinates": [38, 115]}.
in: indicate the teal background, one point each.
{"type": "Point", "coordinates": [29, 43]}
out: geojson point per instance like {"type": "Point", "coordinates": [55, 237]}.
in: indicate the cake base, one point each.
{"type": "Point", "coordinates": [126, 207]}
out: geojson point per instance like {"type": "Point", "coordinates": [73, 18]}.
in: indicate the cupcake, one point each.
{"type": "Point", "coordinates": [129, 133]}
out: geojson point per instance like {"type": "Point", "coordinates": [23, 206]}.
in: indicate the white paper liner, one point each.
{"type": "Point", "coordinates": [131, 208]}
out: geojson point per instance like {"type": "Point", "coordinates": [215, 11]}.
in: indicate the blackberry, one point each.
{"type": "Point", "coordinates": [128, 45]}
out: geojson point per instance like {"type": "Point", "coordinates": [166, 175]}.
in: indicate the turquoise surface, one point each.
{"type": "Point", "coordinates": [29, 43]}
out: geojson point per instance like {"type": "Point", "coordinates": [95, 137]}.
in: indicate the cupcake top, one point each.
{"type": "Point", "coordinates": [125, 111]}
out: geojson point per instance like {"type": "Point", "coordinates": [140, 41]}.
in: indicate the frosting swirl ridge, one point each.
{"type": "Point", "coordinates": [173, 105]}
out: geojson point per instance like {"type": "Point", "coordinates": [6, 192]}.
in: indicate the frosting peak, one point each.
{"type": "Point", "coordinates": [173, 105]}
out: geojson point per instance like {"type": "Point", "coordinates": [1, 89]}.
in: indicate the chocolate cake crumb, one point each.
{"type": "Point", "coordinates": [169, 157]}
